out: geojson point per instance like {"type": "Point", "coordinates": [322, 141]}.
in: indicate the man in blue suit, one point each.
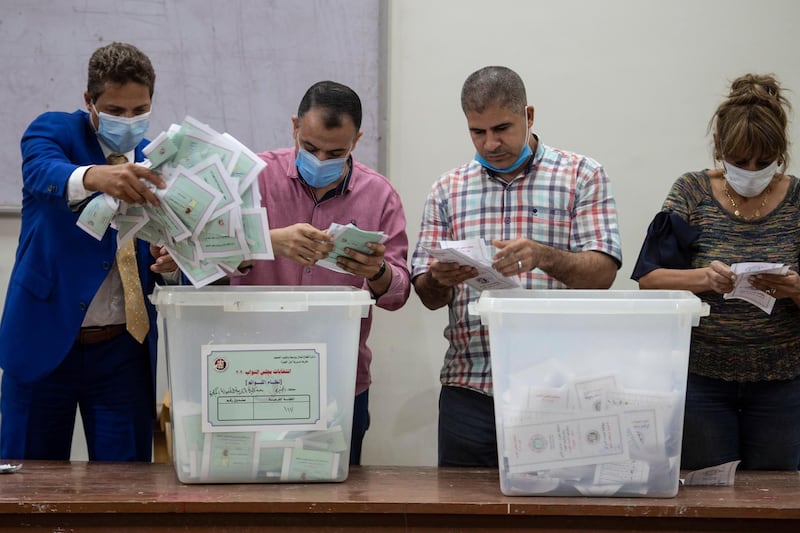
{"type": "Point", "coordinates": [63, 336]}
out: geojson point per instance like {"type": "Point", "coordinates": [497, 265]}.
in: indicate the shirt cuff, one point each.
{"type": "Point", "coordinates": [240, 272]}
{"type": "Point", "coordinates": [172, 278]}
{"type": "Point", "coordinates": [76, 192]}
{"type": "Point", "coordinates": [394, 290]}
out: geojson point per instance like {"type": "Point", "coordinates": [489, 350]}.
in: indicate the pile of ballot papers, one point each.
{"type": "Point", "coordinates": [210, 218]}
{"type": "Point", "coordinates": [348, 236]}
{"type": "Point", "coordinates": [268, 456]}
{"type": "Point", "coordinates": [591, 436]}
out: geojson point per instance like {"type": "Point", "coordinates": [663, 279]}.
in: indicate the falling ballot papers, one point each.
{"type": "Point", "coordinates": [210, 218]}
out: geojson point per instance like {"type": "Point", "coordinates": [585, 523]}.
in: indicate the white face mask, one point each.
{"type": "Point", "coordinates": [749, 183]}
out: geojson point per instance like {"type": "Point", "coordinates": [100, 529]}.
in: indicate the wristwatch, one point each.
{"type": "Point", "coordinates": [381, 270]}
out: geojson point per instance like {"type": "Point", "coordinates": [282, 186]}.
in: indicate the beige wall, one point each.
{"type": "Point", "coordinates": [631, 83]}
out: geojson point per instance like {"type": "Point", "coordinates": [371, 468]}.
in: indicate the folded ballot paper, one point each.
{"type": "Point", "coordinates": [743, 290]}
{"type": "Point", "coordinates": [210, 218]}
{"type": "Point", "coordinates": [474, 253]}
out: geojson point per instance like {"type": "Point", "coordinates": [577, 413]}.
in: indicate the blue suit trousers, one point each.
{"type": "Point", "coordinates": [110, 382]}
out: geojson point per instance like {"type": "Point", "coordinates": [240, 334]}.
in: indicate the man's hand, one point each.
{"type": "Point", "coordinates": [164, 262]}
{"type": "Point", "coordinates": [124, 182]}
{"type": "Point", "coordinates": [577, 270]}
{"type": "Point", "coordinates": [302, 243]}
{"type": "Point", "coordinates": [450, 274]}
{"type": "Point", "coordinates": [435, 287]}
{"type": "Point", "coordinates": [364, 265]}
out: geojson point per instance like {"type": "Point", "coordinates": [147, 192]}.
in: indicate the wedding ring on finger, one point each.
{"type": "Point", "coordinates": [770, 291]}
{"type": "Point", "coordinates": [519, 265]}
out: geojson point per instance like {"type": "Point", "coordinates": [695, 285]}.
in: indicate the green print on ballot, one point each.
{"type": "Point", "coordinates": [267, 386]}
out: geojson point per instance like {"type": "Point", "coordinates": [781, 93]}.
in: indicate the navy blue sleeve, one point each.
{"type": "Point", "coordinates": [667, 245]}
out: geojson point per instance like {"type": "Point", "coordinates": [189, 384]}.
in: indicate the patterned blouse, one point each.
{"type": "Point", "coordinates": [738, 341]}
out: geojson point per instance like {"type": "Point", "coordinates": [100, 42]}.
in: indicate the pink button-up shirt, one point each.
{"type": "Point", "coordinates": [369, 201]}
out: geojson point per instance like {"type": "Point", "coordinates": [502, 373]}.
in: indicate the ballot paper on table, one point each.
{"type": "Point", "coordinates": [719, 475]}
{"type": "Point", "coordinates": [210, 218]}
{"type": "Point", "coordinates": [744, 290]}
{"type": "Point", "coordinates": [474, 253]}
{"type": "Point", "coordinates": [349, 236]}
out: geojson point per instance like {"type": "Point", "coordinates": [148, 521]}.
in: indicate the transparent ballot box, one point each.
{"type": "Point", "coordinates": [589, 388]}
{"type": "Point", "coordinates": [261, 380]}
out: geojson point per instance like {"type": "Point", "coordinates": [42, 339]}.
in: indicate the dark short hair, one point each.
{"type": "Point", "coordinates": [490, 86]}
{"type": "Point", "coordinates": [335, 100]}
{"type": "Point", "coordinates": [118, 63]}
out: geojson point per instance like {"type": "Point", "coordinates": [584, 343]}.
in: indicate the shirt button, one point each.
{"type": "Point", "coordinates": [308, 270]}
{"type": "Point", "coordinates": [508, 220]}
{"type": "Point", "coordinates": [82, 306]}
{"type": "Point", "coordinates": [106, 265]}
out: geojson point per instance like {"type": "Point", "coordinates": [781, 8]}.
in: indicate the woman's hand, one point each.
{"type": "Point", "coordinates": [778, 285]}
{"type": "Point", "coordinates": [720, 277]}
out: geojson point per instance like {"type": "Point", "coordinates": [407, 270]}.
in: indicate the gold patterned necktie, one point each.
{"type": "Point", "coordinates": [136, 319]}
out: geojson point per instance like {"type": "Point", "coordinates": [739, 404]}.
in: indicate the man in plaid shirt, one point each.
{"type": "Point", "coordinates": [552, 218]}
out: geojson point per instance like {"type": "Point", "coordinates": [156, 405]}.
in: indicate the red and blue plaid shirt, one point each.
{"type": "Point", "coordinates": [560, 199]}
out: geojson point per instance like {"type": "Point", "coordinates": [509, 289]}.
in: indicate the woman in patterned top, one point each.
{"type": "Point", "coordinates": [743, 390]}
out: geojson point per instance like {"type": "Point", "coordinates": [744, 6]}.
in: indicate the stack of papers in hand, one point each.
{"type": "Point", "coordinates": [474, 253]}
{"type": "Point", "coordinates": [743, 290]}
{"type": "Point", "coordinates": [349, 236]}
{"type": "Point", "coordinates": [210, 218]}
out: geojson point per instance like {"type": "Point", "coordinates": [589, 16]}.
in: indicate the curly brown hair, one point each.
{"type": "Point", "coordinates": [118, 63]}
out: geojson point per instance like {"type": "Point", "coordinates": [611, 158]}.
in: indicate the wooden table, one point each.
{"type": "Point", "coordinates": [80, 496]}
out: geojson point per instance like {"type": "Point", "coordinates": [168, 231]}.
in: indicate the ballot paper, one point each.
{"type": "Point", "coordinates": [719, 475]}
{"type": "Point", "coordinates": [621, 473]}
{"type": "Point", "coordinates": [474, 253]}
{"type": "Point", "coordinates": [590, 433]}
{"type": "Point", "coordinates": [160, 150]}
{"type": "Point", "coordinates": [210, 218]}
{"type": "Point", "coordinates": [591, 393]}
{"type": "Point", "coordinates": [332, 440]}
{"type": "Point", "coordinates": [309, 465]}
{"type": "Point", "coordinates": [744, 290]}
{"type": "Point", "coordinates": [227, 455]}
{"type": "Point", "coordinates": [273, 454]}
{"type": "Point", "coordinates": [575, 441]}
{"type": "Point", "coordinates": [348, 236]}
{"type": "Point", "coordinates": [97, 215]}
{"type": "Point", "coordinates": [8, 468]}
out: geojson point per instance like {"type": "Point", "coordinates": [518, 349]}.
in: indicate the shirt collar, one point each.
{"type": "Point", "coordinates": [343, 185]}
{"type": "Point", "coordinates": [108, 151]}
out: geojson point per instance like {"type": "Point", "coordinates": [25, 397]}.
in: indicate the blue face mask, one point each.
{"type": "Point", "coordinates": [318, 173]}
{"type": "Point", "coordinates": [122, 134]}
{"type": "Point", "coordinates": [526, 153]}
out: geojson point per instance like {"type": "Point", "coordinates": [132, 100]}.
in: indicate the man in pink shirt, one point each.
{"type": "Point", "coordinates": [314, 183]}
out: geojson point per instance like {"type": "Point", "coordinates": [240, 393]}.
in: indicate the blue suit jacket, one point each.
{"type": "Point", "coordinates": [58, 266]}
